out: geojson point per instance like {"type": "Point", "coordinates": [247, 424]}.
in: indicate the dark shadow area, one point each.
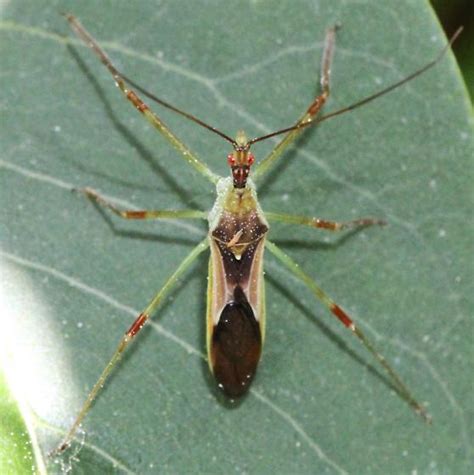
{"type": "Point", "coordinates": [453, 14]}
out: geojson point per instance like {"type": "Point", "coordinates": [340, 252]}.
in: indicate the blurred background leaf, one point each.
{"type": "Point", "coordinates": [16, 455]}
{"type": "Point", "coordinates": [74, 277]}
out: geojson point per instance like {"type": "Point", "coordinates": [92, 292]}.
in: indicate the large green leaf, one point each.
{"type": "Point", "coordinates": [77, 276]}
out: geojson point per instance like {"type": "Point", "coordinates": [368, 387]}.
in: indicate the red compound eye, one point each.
{"type": "Point", "coordinates": [250, 158]}
{"type": "Point", "coordinates": [231, 159]}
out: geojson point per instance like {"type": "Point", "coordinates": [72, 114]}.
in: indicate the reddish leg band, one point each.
{"type": "Point", "coordinates": [137, 325]}
{"type": "Point", "coordinates": [136, 214]}
{"type": "Point", "coordinates": [343, 317]}
{"type": "Point", "coordinates": [137, 102]}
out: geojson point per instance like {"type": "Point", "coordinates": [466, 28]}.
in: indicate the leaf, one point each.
{"type": "Point", "coordinates": [16, 455]}
{"type": "Point", "coordinates": [78, 276]}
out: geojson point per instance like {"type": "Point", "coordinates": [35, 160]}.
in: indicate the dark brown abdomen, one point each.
{"type": "Point", "coordinates": [236, 346]}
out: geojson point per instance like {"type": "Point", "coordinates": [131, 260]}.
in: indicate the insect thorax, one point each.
{"type": "Point", "coordinates": [237, 223]}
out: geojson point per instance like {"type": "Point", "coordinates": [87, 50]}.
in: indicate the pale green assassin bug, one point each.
{"type": "Point", "coordinates": [237, 238]}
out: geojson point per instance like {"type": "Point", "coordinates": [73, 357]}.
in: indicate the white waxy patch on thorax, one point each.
{"type": "Point", "coordinates": [223, 186]}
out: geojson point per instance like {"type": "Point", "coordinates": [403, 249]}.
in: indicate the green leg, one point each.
{"type": "Point", "coordinates": [143, 214]}
{"type": "Point", "coordinates": [138, 103]}
{"type": "Point", "coordinates": [337, 311]}
{"type": "Point", "coordinates": [265, 165]}
{"type": "Point", "coordinates": [323, 224]}
{"type": "Point", "coordinates": [126, 340]}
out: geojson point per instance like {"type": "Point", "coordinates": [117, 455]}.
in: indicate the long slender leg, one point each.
{"type": "Point", "coordinates": [312, 110]}
{"type": "Point", "coordinates": [189, 156]}
{"type": "Point", "coordinates": [323, 224]}
{"type": "Point", "coordinates": [136, 326]}
{"type": "Point", "coordinates": [143, 214]}
{"type": "Point", "coordinates": [342, 316]}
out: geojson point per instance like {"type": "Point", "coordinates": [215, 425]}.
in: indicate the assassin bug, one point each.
{"type": "Point", "coordinates": [237, 237]}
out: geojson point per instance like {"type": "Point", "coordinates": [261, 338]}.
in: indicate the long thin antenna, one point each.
{"type": "Point", "coordinates": [178, 111]}
{"type": "Point", "coordinates": [366, 99]}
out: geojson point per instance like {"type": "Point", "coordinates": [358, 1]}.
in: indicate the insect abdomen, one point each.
{"type": "Point", "coordinates": [236, 346]}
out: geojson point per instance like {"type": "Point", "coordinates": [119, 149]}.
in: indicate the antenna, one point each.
{"type": "Point", "coordinates": [367, 99]}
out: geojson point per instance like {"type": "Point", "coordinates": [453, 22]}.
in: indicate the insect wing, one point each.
{"type": "Point", "coordinates": [235, 315]}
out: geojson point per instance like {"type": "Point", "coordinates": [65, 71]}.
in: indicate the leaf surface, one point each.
{"type": "Point", "coordinates": [78, 276]}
